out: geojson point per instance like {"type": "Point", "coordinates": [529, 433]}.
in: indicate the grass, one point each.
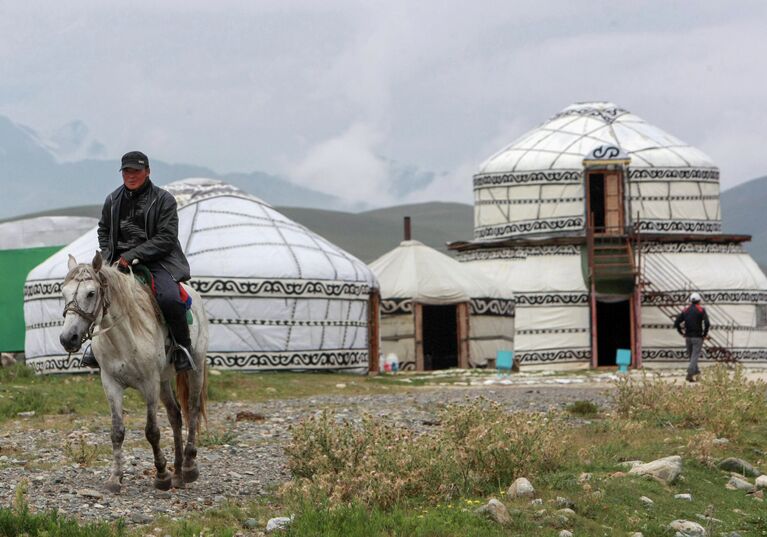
{"type": "Point", "coordinates": [81, 395]}
{"type": "Point", "coordinates": [482, 449]}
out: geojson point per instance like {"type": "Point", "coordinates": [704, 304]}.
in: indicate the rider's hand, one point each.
{"type": "Point", "coordinates": [123, 264]}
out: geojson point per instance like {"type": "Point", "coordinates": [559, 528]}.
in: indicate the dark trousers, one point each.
{"type": "Point", "coordinates": [169, 300]}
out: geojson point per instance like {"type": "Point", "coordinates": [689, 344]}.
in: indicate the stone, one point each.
{"type": "Point", "coordinates": [566, 512]}
{"type": "Point", "coordinates": [278, 523]}
{"type": "Point", "coordinates": [721, 441]}
{"type": "Point", "coordinates": [584, 477]}
{"type": "Point", "coordinates": [7, 359]}
{"type": "Point", "coordinates": [761, 482]}
{"type": "Point", "coordinates": [628, 465]}
{"type": "Point", "coordinates": [496, 511]}
{"type": "Point", "coordinates": [520, 488]}
{"type": "Point", "coordinates": [90, 493]}
{"type": "Point", "coordinates": [738, 483]}
{"type": "Point", "coordinates": [536, 501]}
{"type": "Point", "coordinates": [637, 534]}
{"type": "Point", "coordinates": [687, 497]}
{"type": "Point", "coordinates": [565, 502]}
{"type": "Point", "coordinates": [734, 464]}
{"type": "Point", "coordinates": [565, 533]}
{"type": "Point", "coordinates": [250, 523]}
{"type": "Point", "coordinates": [647, 502]}
{"type": "Point", "coordinates": [666, 470]}
{"type": "Point", "coordinates": [686, 528]}
{"type": "Point", "coordinates": [140, 518]}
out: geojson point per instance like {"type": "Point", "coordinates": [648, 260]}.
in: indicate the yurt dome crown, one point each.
{"type": "Point", "coordinates": [539, 183]}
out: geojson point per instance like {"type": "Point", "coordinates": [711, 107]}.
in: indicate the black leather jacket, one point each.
{"type": "Point", "coordinates": [695, 321]}
{"type": "Point", "coordinates": [162, 245]}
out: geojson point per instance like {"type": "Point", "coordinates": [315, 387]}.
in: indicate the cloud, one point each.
{"type": "Point", "coordinates": [346, 166]}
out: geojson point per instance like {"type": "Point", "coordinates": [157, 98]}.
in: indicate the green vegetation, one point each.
{"type": "Point", "coordinates": [370, 478]}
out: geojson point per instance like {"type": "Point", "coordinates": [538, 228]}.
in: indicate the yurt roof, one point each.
{"type": "Point", "coordinates": [43, 231]}
{"type": "Point", "coordinates": [563, 141]}
{"type": "Point", "coordinates": [415, 271]}
{"type": "Point", "coordinates": [226, 232]}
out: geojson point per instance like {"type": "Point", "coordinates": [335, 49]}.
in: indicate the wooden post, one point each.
{"type": "Point", "coordinates": [462, 320]}
{"type": "Point", "coordinates": [418, 321]}
{"type": "Point", "coordinates": [408, 228]}
{"type": "Point", "coordinates": [374, 331]}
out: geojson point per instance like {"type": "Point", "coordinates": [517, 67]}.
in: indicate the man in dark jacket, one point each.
{"type": "Point", "coordinates": [696, 325]}
{"type": "Point", "coordinates": [139, 224]}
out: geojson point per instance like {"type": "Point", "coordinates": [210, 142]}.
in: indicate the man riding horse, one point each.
{"type": "Point", "coordinates": [139, 224]}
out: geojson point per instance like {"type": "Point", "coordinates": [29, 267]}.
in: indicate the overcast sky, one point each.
{"type": "Point", "coordinates": [325, 92]}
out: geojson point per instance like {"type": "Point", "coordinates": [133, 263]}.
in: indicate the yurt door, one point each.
{"type": "Point", "coordinates": [605, 201]}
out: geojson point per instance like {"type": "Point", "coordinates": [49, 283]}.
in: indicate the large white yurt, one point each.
{"type": "Point", "coordinates": [602, 225]}
{"type": "Point", "coordinates": [278, 297]}
{"type": "Point", "coordinates": [438, 313]}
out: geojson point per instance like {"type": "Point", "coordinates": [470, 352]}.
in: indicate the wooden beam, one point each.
{"type": "Point", "coordinates": [374, 332]}
{"type": "Point", "coordinates": [462, 319]}
{"type": "Point", "coordinates": [418, 320]}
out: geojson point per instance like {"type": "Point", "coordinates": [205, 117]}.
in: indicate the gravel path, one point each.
{"type": "Point", "coordinates": [251, 464]}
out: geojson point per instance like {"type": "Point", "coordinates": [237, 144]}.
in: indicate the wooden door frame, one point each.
{"type": "Point", "coordinates": [634, 341]}
{"type": "Point", "coordinates": [418, 331]}
{"type": "Point", "coordinates": [462, 312]}
{"type": "Point", "coordinates": [374, 331]}
{"type": "Point", "coordinates": [621, 195]}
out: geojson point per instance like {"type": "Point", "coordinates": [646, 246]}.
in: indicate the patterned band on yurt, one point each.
{"type": "Point", "coordinates": [278, 297]}
{"type": "Point", "coordinates": [603, 225]}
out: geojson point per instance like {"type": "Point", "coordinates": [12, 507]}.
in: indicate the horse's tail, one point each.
{"type": "Point", "coordinates": [182, 392]}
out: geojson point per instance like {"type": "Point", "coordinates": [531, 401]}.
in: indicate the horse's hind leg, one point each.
{"type": "Point", "coordinates": [190, 470]}
{"type": "Point", "coordinates": [162, 480]}
{"type": "Point", "coordinates": [174, 416]}
{"type": "Point", "coordinates": [114, 394]}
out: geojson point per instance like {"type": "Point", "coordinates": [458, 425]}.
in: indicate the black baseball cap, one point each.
{"type": "Point", "coordinates": [135, 160]}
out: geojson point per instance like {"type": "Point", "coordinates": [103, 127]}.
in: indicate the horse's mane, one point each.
{"type": "Point", "coordinates": [134, 299]}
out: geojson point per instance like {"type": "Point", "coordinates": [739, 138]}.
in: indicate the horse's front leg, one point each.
{"type": "Point", "coordinates": [114, 393]}
{"type": "Point", "coordinates": [162, 480]}
{"type": "Point", "coordinates": [174, 416]}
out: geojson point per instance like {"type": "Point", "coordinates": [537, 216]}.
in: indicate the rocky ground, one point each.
{"type": "Point", "coordinates": [244, 458]}
{"type": "Point", "coordinates": [243, 454]}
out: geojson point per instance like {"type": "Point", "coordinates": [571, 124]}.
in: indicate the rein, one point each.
{"type": "Point", "coordinates": [103, 298]}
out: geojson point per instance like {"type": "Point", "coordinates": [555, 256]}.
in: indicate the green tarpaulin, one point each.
{"type": "Point", "coordinates": [14, 267]}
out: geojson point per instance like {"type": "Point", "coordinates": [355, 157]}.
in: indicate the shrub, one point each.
{"type": "Point", "coordinates": [722, 403]}
{"type": "Point", "coordinates": [583, 408]}
{"type": "Point", "coordinates": [478, 448]}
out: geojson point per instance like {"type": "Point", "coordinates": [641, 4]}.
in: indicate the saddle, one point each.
{"type": "Point", "coordinates": [144, 276]}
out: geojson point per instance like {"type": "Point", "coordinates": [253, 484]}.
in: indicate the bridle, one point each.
{"type": "Point", "coordinates": [102, 304]}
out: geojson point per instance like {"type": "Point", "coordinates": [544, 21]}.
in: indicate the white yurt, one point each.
{"type": "Point", "coordinates": [24, 243]}
{"type": "Point", "coordinates": [438, 313]}
{"type": "Point", "coordinates": [278, 297]}
{"type": "Point", "coordinates": [602, 225]}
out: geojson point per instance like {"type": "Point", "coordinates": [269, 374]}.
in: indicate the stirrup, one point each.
{"type": "Point", "coordinates": [88, 359]}
{"type": "Point", "coordinates": [177, 348]}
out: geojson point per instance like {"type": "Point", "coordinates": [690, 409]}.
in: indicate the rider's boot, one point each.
{"type": "Point", "coordinates": [180, 353]}
{"type": "Point", "coordinates": [88, 360]}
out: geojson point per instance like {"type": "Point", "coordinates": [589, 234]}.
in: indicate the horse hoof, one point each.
{"type": "Point", "coordinates": [178, 482]}
{"type": "Point", "coordinates": [162, 483]}
{"type": "Point", "coordinates": [113, 487]}
{"type": "Point", "coordinates": [190, 474]}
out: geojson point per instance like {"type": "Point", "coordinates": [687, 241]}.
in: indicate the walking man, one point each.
{"type": "Point", "coordinates": [696, 325]}
{"type": "Point", "coordinates": [139, 224]}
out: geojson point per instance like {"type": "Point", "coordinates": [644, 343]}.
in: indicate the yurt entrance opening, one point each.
{"type": "Point", "coordinates": [440, 337]}
{"type": "Point", "coordinates": [605, 201]}
{"type": "Point", "coordinates": [613, 327]}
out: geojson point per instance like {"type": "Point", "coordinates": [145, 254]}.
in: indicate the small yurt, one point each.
{"type": "Point", "coordinates": [278, 297]}
{"type": "Point", "coordinates": [603, 225]}
{"type": "Point", "coordinates": [24, 243]}
{"type": "Point", "coordinates": [437, 313]}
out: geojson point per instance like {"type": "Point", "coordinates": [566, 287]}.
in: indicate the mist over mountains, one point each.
{"type": "Point", "coordinates": [69, 168]}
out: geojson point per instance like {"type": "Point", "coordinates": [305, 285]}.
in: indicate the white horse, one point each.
{"type": "Point", "coordinates": [129, 340]}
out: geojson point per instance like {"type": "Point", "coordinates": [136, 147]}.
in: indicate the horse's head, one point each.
{"type": "Point", "coordinates": [83, 292]}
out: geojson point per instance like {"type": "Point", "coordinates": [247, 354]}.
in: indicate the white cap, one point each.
{"type": "Point", "coordinates": [695, 297]}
